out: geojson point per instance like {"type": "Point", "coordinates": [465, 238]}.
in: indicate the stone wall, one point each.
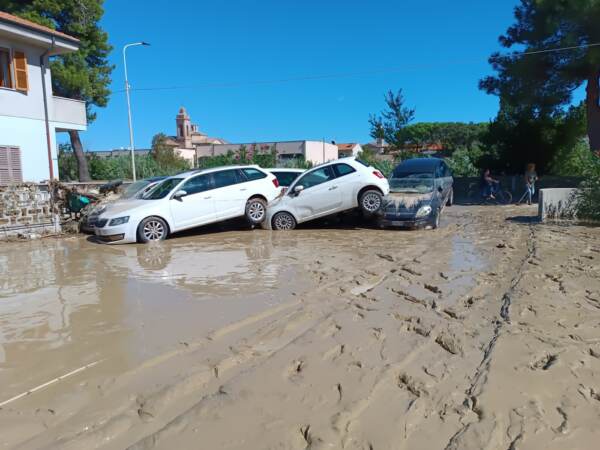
{"type": "Point", "coordinates": [27, 209]}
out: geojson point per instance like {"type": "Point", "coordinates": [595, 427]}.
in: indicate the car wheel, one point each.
{"type": "Point", "coordinates": [370, 202]}
{"type": "Point", "coordinates": [284, 221]}
{"type": "Point", "coordinates": [450, 201]}
{"type": "Point", "coordinates": [152, 229]}
{"type": "Point", "coordinates": [256, 211]}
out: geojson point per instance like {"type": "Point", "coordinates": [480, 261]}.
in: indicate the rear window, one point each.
{"type": "Point", "coordinates": [285, 178]}
{"type": "Point", "coordinates": [253, 174]}
{"type": "Point", "coordinates": [360, 161]}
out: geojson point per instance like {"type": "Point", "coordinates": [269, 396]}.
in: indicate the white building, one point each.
{"type": "Point", "coordinates": [30, 116]}
{"type": "Point", "coordinates": [350, 149]}
{"type": "Point", "coordinates": [316, 152]}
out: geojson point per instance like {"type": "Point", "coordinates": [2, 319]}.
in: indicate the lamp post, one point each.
{"type": "Point", "coordinates": [131, 146]}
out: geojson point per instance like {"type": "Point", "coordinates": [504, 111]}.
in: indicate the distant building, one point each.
{"type": "Point", "coordinates": [191, 144]}
{"type": "Point", "coordinates": [345, 150]}
{"type": "Point", "coordinates": [30, 116]}
{"type": "Point", "coordinates": [378, 146]}
{"type": "Point", "coordinates": [189, 138]}
{"type": "Point", "coordinates": [315, 152]}
{"type": "Point", "coordinates": [119, 152]}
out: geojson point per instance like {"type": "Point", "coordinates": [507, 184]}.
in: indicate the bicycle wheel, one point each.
{"type": "Point", "coordinates": [505, 198]}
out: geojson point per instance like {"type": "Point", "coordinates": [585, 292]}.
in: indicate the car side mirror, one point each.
{"type": "Point", "coordinates": [298, 189]}
{"type": "Point", "coordinates": [179, 194]}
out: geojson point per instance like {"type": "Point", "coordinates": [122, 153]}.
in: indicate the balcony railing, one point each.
{"type": "Point", "coordinates": [68, 111]}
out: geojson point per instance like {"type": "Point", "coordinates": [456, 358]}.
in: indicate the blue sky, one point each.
{"type": "Point", "coordinates": [435, 50]}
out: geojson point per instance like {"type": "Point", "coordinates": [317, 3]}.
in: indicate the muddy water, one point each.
{"type": "Point", "coordinates": [331, 337]}
{"type": "Point", "coordinates": [69, 302]}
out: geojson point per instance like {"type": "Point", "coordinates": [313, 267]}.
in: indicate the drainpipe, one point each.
{"type": "Point", "coordinates": [46, 119]}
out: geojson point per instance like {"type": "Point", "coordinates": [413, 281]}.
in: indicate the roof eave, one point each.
{"type": "Point", "coordinates": [38, 38]}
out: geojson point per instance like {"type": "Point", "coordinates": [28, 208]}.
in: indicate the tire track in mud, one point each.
{"type": "Point", "coordinates": [479, 378]}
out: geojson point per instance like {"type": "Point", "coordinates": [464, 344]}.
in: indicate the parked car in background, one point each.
{"type": "Point", "coordinates": [135, 189]}
{"type": "Point", "coordinates": [189, 200]}
{"type": "Point", "coordinates": [420, 188]}
{"type": "Point", "coordinates": [330, 188]}
{"type": "Point", "coordinates": [286, 176]}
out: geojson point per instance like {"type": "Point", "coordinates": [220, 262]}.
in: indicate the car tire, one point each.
{"type": "Point", "coordinates": [256, 211]}
{"type": "Point", "coordinates": [450, 201]}
{"type": "Point", "coordinates": [370, 202]}
{"type": "Point", "coordinates": [152, 229]}
{"type": "Point", "coordinates": [283, 221]}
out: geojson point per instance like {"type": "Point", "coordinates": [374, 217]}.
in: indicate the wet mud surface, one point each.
{"type": "Point", "coordinates": [482, 334]}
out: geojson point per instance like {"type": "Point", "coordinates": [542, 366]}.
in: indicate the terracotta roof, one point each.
{"type": "Point", "coordinates": [37, 27]}
{"type": "Point", "coordinates": [345, 146]}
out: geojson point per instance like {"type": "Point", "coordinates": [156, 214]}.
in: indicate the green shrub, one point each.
{"type": "Point", "coordinates": [588, 197]}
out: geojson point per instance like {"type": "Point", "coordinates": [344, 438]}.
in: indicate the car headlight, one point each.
{"type": "Point", "coordinates": [424, 211]}
{"type": "Point", "coordinates": [118, 221]}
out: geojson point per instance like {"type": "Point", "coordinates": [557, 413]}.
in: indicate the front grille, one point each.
{"type": "Point", "coordinates": [100, 223]}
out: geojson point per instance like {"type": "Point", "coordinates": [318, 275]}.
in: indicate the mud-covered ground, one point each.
{"type": "Point", "coordinates": [484, 334]}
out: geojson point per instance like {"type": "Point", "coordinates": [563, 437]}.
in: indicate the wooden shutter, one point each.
{"type": "Point", "coordinates": [22, 83]}
{"type": "Point", "coordinates": [10, 165]}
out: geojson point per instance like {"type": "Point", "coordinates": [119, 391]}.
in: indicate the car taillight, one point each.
{"type": "Point", "coordinates": [275, 182]}
{"type": "Point", "coordinates": [378, 174]}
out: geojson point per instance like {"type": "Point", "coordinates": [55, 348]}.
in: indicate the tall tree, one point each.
{"type": "Point", "coordinates": [392, 121]}
{"type": "Point", "coordinates": [83, 75]}
{"type": "Point", "coordinates": [540, 85]}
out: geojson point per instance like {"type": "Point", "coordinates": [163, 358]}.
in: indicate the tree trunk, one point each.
{"type": "Point", "coordinates": [82, 167]}
{"type": "Point", "coordinates": [592, 103]}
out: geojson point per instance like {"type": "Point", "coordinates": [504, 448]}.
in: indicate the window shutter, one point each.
{"type": "Point", "coordinates": [20, 60]}
{"type": "Point", "coordinates": [10, 165]}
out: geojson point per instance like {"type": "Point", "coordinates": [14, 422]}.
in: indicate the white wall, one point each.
{"type": "Point", "coordinates": [29, 105]}
{"type": "Point", "coordinates": [30, 136]}
{"type": "Point", "coordinates": [316, 150]}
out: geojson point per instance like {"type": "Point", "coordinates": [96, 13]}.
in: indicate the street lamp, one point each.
{"type": "Point", "coordinates": [131, 146]}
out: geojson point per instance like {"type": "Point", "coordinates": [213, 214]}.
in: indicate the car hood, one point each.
{"type": "Point", "coordinates": [125, 206]}
{"type": "Point", "coordinates": [405, 201]}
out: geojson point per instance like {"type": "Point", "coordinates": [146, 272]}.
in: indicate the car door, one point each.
{"type": "Point", "coordinates": [229, 193]}
{"type": "Point", "coordinates": [348, 182]}
{"type": "Point", "coordinates": [320, 195]}
{"type": "Point", "coordinates": [197, 206]}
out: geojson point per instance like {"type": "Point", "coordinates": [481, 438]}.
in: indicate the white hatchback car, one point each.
{"type": "Point", "coordinates": [330, 188]}
{"type": "Point", "coordinates": [189, 200]}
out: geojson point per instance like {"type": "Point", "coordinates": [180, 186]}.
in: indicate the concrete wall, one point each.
{"type": "Point", "coordinates": [27, 208]}
{"type": "Point", "coordinates": [515, 184]}
{"type": "Point", "coordinates": [22, 116]}
{"type": "Point", "coordinates": [318, 152]}
{"type": "Point", "coordinates": [311, 150]}
{"type": "Point", "coordinates": [30, 136]}
{"type": "Point", "coordinates": [26, 105]}
{"type": "Point", "coordinates": [556, 203]}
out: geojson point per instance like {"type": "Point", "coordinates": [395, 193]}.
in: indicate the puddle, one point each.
{"type": "Point", "coordinates": [68, 302]}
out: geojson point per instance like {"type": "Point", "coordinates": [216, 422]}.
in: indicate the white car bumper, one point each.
{"type": "Point", "coordinates": [119, 234]}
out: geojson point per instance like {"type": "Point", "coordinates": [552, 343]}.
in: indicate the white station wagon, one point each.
{"type": "Point", "coordinates": [189, 200]}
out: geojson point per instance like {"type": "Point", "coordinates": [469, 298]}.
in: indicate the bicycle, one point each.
{"type": "Point", "coordinates": [501, 196]}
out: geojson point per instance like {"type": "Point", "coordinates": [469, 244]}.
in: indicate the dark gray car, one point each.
{"type": "Point", "coordinates": [420, 188]}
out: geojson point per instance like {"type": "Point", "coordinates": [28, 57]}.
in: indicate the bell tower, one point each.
{"type": "Point", "coordinates": [184, 128]}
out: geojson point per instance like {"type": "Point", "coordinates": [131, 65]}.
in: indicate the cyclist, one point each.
{"type": "Point", "coordinates": [489, 185]}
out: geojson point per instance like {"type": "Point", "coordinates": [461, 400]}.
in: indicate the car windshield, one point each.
{"type": "Point", "coordinates": [420, 183]}
{"type": "Point", "coordinates": [134, 188]}
{"type": "Point", "coordinates": [161, 190]}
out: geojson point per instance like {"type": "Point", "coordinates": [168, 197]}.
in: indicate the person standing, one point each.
{"type": "Point", "coordinates": [530, 180]}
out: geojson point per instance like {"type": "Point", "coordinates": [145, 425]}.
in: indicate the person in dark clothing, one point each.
{"type": "Point", "coordinates": [489, 185]}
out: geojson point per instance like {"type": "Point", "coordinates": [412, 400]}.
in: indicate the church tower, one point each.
{"type": "Point", "coordinates": [184, 128]}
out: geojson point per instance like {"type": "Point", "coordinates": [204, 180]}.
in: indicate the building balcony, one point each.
{"type": "Point", "coordinates": [68, 114]}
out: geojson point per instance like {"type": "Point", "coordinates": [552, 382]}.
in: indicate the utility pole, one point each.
{"type": "Point", "coordinates": [131, 145]}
